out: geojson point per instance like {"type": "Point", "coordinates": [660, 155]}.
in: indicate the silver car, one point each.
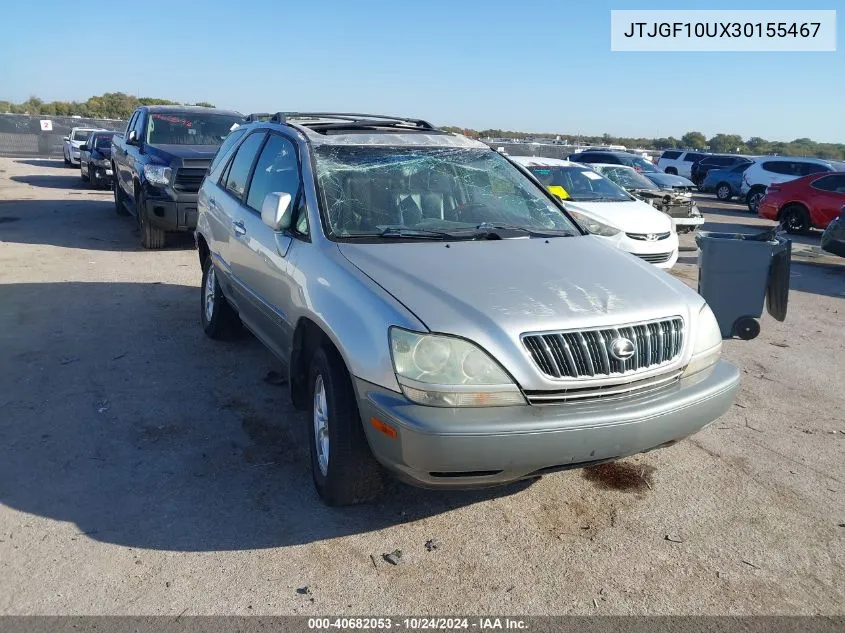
{"type": "Point", "coordinates": [440, 314]}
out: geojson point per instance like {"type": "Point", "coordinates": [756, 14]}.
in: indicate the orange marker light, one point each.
{"type": "Point", "coordinates": [385, 428]}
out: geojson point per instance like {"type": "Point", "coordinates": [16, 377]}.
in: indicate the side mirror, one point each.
{"type": "Point", "coordinates": [132, 139]}
{"type": "Point", "coordinates": [276, 212]}
{"type": "Point", "coordinates": [67, 138]}
{"type": "Point", "coordinates": [83, 147]}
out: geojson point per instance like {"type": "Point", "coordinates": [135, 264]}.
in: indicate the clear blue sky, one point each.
{"type": "Point", "coordinates": [532, 65]}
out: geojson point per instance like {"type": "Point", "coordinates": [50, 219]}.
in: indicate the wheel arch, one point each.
{"type": "Point", "coordinates": [308, 336]}
{"type": "Point", "coordinates": [793, 203]}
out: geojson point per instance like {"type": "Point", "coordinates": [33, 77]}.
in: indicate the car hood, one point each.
{"type": "Point", "coordinates": [197, 152]}
{"type": "Point", "coordinates": [633, 216]}
{"type": "Point", "coordinates": [668, 180]}
{"type": "Point", "coordinates": [491, 291]}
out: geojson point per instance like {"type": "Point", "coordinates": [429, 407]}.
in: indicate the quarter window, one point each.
{"type": "Point", "coordinates": [242, 164]}
{"type": "Point", "coordinates": [805, 169]}
{"type": "Point", "coordinates": [779, 167]}
{"type": "Point", "coordinates": [277, 170]}
{"type": "Point", "coordinates": [131, 123]}
{"type": "Point", "coordinates": [670, 155]}
{"type": "Point", "coordinates": [223, 154]}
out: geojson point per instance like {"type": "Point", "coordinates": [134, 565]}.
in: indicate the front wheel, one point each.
{"type": "Point", "coordinates": [64, 155]}
{"type": "Point", "coordinates": [152, 237]}
{"type": "Point", "coordinates": [672, 170]}
{"type": "Point", "coordinates": [723, 192]}
{"type": "Point", "coordinates": [119, 207]}
{"type": "Point", "coordinates": [85, 174]}
{"type": "Point", "coordinates": [342, 465]}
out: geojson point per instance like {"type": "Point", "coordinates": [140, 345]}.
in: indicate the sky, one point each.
{"type": "Point", "coordinates": [542, 66]}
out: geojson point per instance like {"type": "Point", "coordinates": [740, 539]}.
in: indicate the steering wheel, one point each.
{"type": "Point", "coordinates": [466, 211]}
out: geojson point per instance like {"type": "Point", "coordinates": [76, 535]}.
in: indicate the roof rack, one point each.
{"type": "Point", "coordinates": [346, 118]}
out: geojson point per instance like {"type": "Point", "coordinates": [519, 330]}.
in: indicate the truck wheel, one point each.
{"type": "Point", "coordinates": [343, 467]}
{"type": "Point", "coordinates": [794, 218]}
{"type": "Point", "coordinates": [119, 207]}
{"type": "Point", "coordinates": [219, 319]}
{"type": "Point", "coordinates": [85, 175]}
{"type": "Point", "coordinates": [723, 192]}
{"type": "Point", "coordinates": [672, 170]}
{"type": "Point", "coordinates": [64, 155]}
{"type": "Point", "coordinates": [152, 237]}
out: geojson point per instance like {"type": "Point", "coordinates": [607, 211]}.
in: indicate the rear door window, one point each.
{"type": "Point", "coordinates": [805, 169]}
{"type": "Point", "coordinates": [692, 157]}
{"type": "Point", "coordinates": [779, 167]}
{"type": "Point", "coordinates": [241, 165]}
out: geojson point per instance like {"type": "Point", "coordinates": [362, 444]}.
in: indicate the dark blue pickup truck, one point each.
{"type": "Point", "coordinates": [160, 162]}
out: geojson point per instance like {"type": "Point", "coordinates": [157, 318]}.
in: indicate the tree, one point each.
{"type": "Point", "coordinates": [757, 145]}
{"type": "Point", "coordinates": [695, 140]}
{"type": "Point", "coordinates": [204, 104]}
{"type": "Point", "coordinates": [726, 143]}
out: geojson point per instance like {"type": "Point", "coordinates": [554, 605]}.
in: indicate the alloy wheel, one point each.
{"type": "Point", "coordinates": [321, 425]}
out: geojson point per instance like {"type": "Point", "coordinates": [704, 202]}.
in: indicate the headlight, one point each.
{"type": "Point", "coordinates": [157, 175]}
{"type": "Point", "coordinates": [707, 345]}
{"type": "Point", "coordinates": [445, 371]}
{"type": "Point", "coordinates": [594, 226]}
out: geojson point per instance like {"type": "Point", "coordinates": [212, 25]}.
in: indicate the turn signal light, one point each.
{"type": "Point", "coordinates": [383, 427]}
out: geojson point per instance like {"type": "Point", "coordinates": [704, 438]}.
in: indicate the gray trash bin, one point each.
{"type": "Point", "coordinates": [737, 273]}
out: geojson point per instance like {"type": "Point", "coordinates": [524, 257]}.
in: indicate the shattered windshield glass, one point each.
{"type": "Point", "coordinates": [627, 177]}
{"type": "Point", "coordinates": [579, 183]}
{"type": "Point", "coordinates": [428, 192]}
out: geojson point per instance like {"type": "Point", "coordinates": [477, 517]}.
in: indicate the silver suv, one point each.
{"type": "Point", "coordinates": [440, 314]}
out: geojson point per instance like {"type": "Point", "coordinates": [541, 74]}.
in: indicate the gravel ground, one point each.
{"type": "Point", "coordinates": [145, 469]}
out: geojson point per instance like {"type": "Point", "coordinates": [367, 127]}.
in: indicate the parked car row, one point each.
{"type": "Point", "coordinates": [445, 313]}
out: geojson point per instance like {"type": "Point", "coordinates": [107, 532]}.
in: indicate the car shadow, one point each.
{"type": "Point", "coordinates": [820, 278]}
{"type": "Point", "coordinates": [120, 416]}
{"type": "Point", "coordinates": [87, 222]}
{"type": "Point", "coordinates": [70, 180]}
{"type": "Point", "coordinates": [45, 162]}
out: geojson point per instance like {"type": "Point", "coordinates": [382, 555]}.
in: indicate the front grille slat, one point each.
{"type": "Point", "coordinates": [188, 179]}
{"type": "Point", "coordinates": [655, 258]}
{"type": "Point", "coordinates": [587, 353]}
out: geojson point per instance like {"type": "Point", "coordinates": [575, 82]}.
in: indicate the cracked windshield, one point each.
{"type": "Point", "coordinates": [438, 192]}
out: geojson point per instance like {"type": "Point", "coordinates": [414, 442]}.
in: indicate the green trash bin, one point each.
{"type": "Point", "coordinates": [738, 273]}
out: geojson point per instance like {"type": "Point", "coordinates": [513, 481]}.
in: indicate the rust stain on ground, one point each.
{"type": "Point", "coordinates": [622, 476]}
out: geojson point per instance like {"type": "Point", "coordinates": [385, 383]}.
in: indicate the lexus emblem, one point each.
{"type": "Point", "coordinates": [622, 348]}
{"type": "Point", "coordinates": [651, 237]}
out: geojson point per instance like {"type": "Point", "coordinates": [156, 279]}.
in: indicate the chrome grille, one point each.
{"type": "Point", "coordinates": [654, 258]}
{"type": "Point", "coordinates": [588, 394]}
{"type": "Point", "coordinates": [586, 353]}
{"type": "Point", "coordinates": [649, 237]}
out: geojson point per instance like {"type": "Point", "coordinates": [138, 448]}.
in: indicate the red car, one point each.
{"type": "Point", "coordinates": [804, 203]}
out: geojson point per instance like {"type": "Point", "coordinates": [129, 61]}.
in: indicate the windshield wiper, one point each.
{"type": "Point", "coordinates": [489, 228]}
{"type": "Point", "coordinates": [419, 234]}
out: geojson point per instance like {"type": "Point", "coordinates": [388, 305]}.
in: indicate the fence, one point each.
{"type": "Point", "coordinates": [42, 135]}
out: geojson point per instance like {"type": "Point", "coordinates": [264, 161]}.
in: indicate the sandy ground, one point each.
{"type": "Point", "coordinates": [145, 469]}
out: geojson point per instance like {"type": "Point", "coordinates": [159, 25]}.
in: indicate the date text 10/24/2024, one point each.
{"type": "Point", "coordinates": [417, 624]}
{"type": "Point", "coordinates": [723, 30]}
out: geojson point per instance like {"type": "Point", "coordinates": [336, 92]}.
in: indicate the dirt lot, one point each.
{"type": "Point", "coordinates": [145, 469]}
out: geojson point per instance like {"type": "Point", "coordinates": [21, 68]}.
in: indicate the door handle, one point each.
{"type": "Point", "coordinates": [239, 228]}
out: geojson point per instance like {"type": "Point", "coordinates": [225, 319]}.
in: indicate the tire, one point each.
{"type": "Point", "coordinates": [152, 237]}
{"type": "Point", "coordinates": [349, 474]}
{"type": "Point", "coordinates": [119, 207]}
{"type": "Point", "coordinates": [219, 319]}
{"type": "Point", "coordinates": [723, 192]}
{"type": "Point", "coordinates": [746, 328]}
{"type": "Point", "coordinates": [795, 218]}
{"type": "Point", "coordinates": [672, 170]}
{"type": "Point", "coordinates": [85, 175]}
{"type": "Point", "coordinates": [753, 199]}
{"type": "Point", "coordinates": [65, 156]}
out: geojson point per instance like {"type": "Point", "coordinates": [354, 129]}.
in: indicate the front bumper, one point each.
{"type": "Point", "coordinates": [660, 253]}
{"type": "Point", "coordinates": [100, 173]}
{"type": "Point", "coordinates": [477, 447]}
{"type": "Point", "coordinates": [171, 211]}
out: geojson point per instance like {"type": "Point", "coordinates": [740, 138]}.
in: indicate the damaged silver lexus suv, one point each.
{"type": "Point", "coordinates": [440, 314]}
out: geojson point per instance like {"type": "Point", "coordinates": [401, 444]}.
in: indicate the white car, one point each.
{"type": "Point", "coordinates": [770, 170]}
{"type": "Point", "coordinates": [77, 137]}
{"type": "Point", "coordinates": [675, 161]}
{"type": "Point", "coordinates": [606, 210]}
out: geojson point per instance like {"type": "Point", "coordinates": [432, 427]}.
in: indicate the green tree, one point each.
{"type": "Point", "coordinates": [726, 143]}
{"type": "Point", "coordinates": [694, 140]}
{"type": "Point", "coordinates": [204, 104]}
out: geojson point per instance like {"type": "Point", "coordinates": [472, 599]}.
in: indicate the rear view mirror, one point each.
{"type": "Point", "coordinates": [83, 147]}
{"type": "Point", "coordinates": [276, 212]}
